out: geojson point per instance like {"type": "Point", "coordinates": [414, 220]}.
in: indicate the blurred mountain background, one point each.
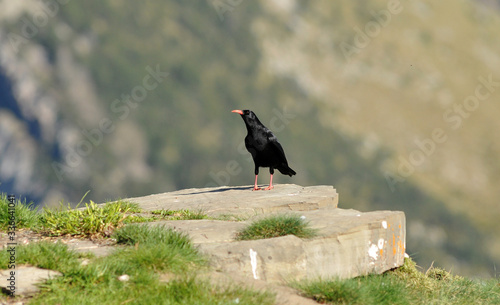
{"type": "Point", "coordinates": [394, 103]}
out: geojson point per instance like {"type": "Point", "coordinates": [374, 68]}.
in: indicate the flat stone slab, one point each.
{"type": "Point", "coordinates": [82, 245]}
{"type": "Point", "coordinates": [349, 243]}
{"type": "Point", "coordinates": [205, 231]}
{"type": "Point", "coordinates": [241, 200]}
{"type": "Point", "coordinates": [26, 279]}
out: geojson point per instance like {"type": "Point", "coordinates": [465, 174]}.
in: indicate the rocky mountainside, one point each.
{"type": "Point", "coordinates": [393, 102]}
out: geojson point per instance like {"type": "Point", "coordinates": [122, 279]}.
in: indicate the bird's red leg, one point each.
{"type": "Point", "coordinates": [255, 187]}
{"type": "Point", "coordinates": [270, 187]}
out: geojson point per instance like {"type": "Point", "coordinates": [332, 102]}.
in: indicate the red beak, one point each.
{"type": "Point", "coordinates": [238, 111]}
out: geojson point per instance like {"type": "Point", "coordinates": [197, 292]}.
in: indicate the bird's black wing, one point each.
{"type": "Point", "coordinates": [279, 159]}
{"type": "Point", "coordinates": [276, 146]}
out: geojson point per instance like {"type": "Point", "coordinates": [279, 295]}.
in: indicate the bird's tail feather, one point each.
{"type": "Point", "coordinates": [286, 170]}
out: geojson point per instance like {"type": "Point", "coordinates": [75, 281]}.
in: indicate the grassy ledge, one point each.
{"type": "Point", "coordinates": [275, 226]}
{"type": "Point", "coordinates": [404, 285]}
{"type": "Point", "coordinates": [146, 253]}
{"type": "Point", "coordinates": [94, 220]}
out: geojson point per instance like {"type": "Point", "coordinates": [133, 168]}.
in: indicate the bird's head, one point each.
{"type": "Point", "coordinates": [248, 116]}
{"type": "Point", "coordinates": [243, 112]}
{"type": "Point", "coordinates": [246, 113]}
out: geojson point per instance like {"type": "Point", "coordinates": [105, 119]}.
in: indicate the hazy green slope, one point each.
{"type": "Point", "coordinates": [343, 121]}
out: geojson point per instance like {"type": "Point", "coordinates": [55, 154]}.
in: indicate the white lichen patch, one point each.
{"type": "Point", "coordinates": [373, 251]}
{"type": "Point", "coordinates": [253, 263]}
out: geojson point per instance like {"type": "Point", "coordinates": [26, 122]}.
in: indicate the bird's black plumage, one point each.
{"type": "Point", "coordinates": [264, 147]}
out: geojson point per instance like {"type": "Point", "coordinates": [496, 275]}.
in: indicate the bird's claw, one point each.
{"type": "Point", "coordinates": [269, 188]}
{"type": "Point", "coordinates": [256, 189]}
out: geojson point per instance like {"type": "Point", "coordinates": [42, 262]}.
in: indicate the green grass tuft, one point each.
{"type": "Point", "coordinates": [144, 234]}
{"type": "Point", "coordinates": [158, 247]}
{"type": "Point", "coordinates": [275, 226]}
{"type": "Point", "coordinates": [361, 290]}
{"type": "Point", "coordinates": [25, 214]}
{"type": "Point", "coordinates": [47, 255]}
{"type": "Point", "coordinates": [144, 288]}
{"type": "Point", "coordinates": [92, 221]}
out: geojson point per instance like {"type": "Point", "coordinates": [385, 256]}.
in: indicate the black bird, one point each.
{"type": "Point", "coordinates": [264, 146]}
